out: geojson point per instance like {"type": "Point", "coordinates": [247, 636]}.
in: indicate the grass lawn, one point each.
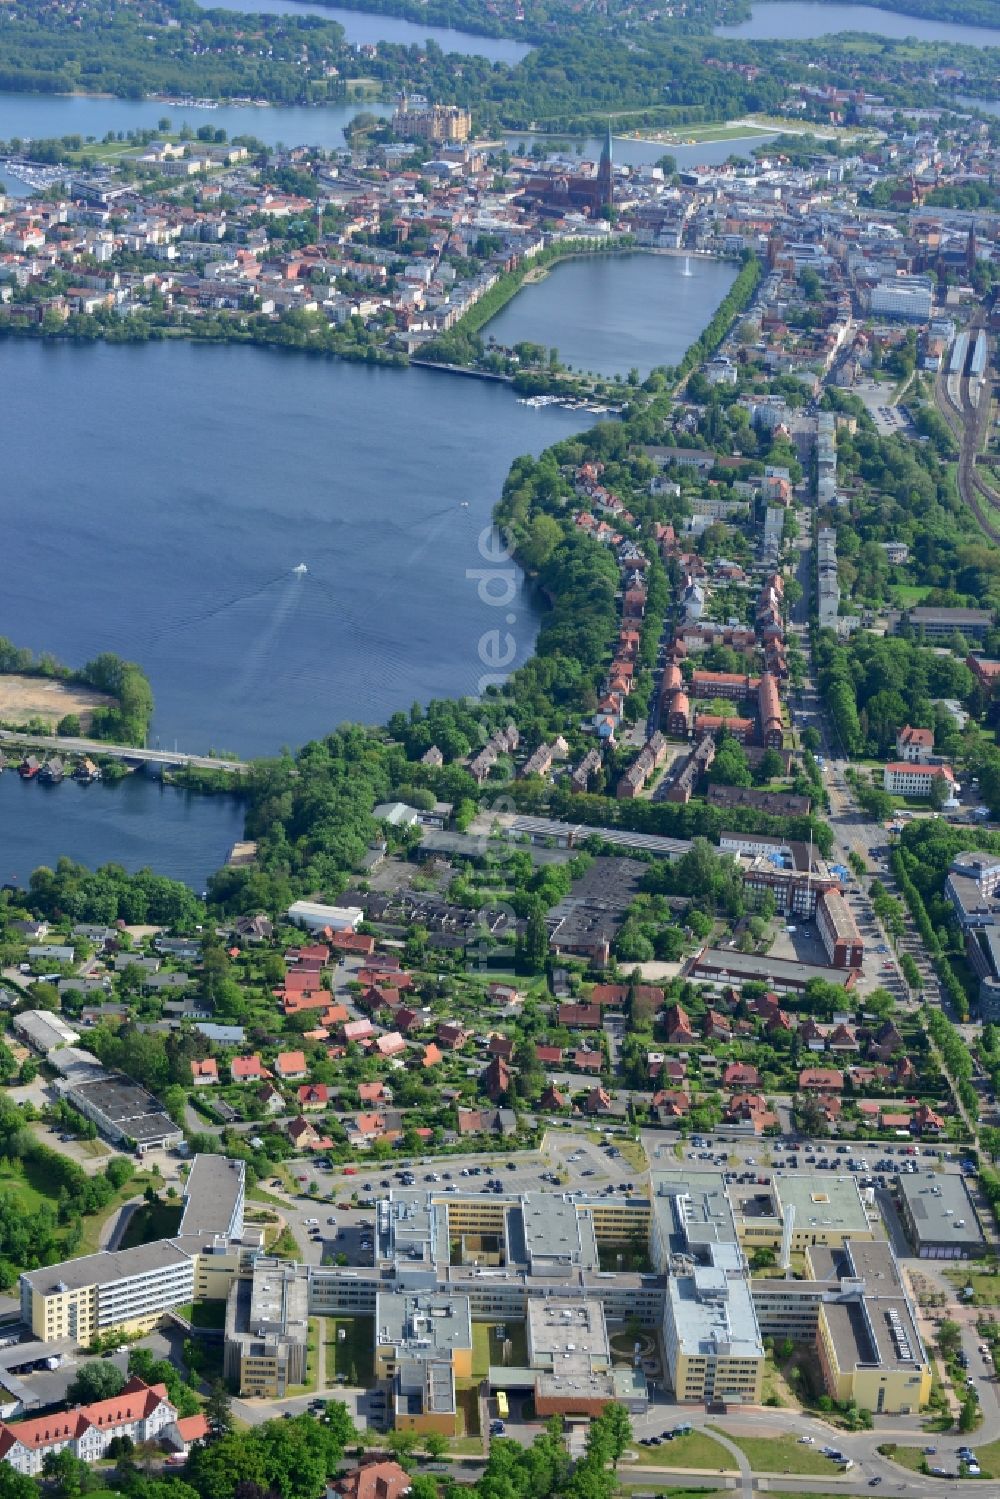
{"type": "Point", "coordinates": [986, 1287]}
{"type": "Point", "coordinates": [469, 1438]}
{"type": "Point", "coordinates": [908, 1457]}
{"type": "Point", "coordinates": [154, 1220]}
{"type": "Point", "coordinates": [353, 1355]}
{"type": "Point", "coordinates": [94, 1150]}
{"type": "Point", "coordinates": [486, 1349]}
{"type": "Point", "coordinates": [314, 1356]}
{"type": "Point", "coordinates": [781, 1454]}
{"type": "Point", "coordinates": [693, 1451]}
{"type": "Point", "coordinates": [988, 1454]}
{"type": "Point", "coordinates": [208, 1313]}
{"type": "Point", "coordinates": [258, 1194]}
{"type": "Point", "coordinates": [29, 1189]}
{"type": "Point", "coordinates": [905, 594]}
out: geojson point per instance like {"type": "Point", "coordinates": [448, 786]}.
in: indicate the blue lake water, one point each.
{"type": "Point", "coordinates": [173, 488]}
{"type": "Point", "coordinates": [136, 823]}
{"type": "Point", "coordinates": [782, 21]}
{"type": "Point", "coordinates": [609, 313]}
{"type": "Point", "coordinates": [630, 152]}
{"type": "Point", "coordinates": [40, 116]}
{"type": "Point", "coordinates": [361, 27]}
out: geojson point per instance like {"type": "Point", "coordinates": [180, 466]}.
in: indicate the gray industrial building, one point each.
{"type": "Point", "coordinates": [939, 1216]}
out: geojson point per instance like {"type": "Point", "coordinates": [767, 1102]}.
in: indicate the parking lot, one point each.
{"type": "Point", "coordinates": [330, 1209]}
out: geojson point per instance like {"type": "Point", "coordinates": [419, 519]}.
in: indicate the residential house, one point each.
{"type": "Point", "coordinates": [680, 1031]}
{"type": "Point", "coordinates": [304, 1136]}
{"type": "Point", "coordinates": [248, 1070]}
{"type": "Point", "coordinates": [271, 1099]}
{"type": "Point", "coordinates": [290, 1065]}
{"type": "Point", "coordinates": [452, 1034]}
{"type": "Point", "coordinates": [821, 1080]}
{"type": "Point", "coordinates": [580, 1017]}
{"type": "Point", "coordinates": [496, 1079]}
{"type": "Point", "coordinates": [312, 1096]}
{"type": "Point", "coordinates": [741, 1075]}
{"type": "Point", "coordinates": [390, 1045]}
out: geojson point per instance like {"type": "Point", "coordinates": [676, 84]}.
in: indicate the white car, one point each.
{"type": "Point", "coordinates": [311, 1222]}
{"type": "Point", "coordinates": [806, 1441]}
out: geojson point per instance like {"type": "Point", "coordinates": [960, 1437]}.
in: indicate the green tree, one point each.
{"type": "Point", "coordinates": [99, 1380]}
{"type": "Point", "coordinates": [968, 1416]}
{"type": "Point", "coordinates": [219, 1408]}
{"type": "Point", "coordinates": [536, 938]}
{"type": "Point", "coordinates": [949, 1338]}
{"type": "Point", "coordinates": [69, 1475]}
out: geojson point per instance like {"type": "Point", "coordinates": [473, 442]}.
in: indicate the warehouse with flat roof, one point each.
{"type": "Point", "coordinates": [940, 1216]}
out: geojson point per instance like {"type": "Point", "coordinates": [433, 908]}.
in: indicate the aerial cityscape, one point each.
{"type": "Point", "coordinates": [499, 761]}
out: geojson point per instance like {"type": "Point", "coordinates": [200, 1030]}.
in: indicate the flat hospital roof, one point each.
{"type": "Point", "coordinates": [823, 1199]}
{"type": "Point", "coordinates": [213, 1188]}
{"type": "Point", "coordinates": [940, 1208]}
{"type": "Point", "coordinates": [105, 1268]}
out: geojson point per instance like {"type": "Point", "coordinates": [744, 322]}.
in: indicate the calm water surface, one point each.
{"type": "Point", "coordinates": [361, 27]}
{"type": "Point", "coordinates": [43, 115]}
{"type": "Point", "coordinates": [638, 153]}
{"type": "Point", "coordinates": [136, 823]}
{"type": "Point", "coordinates": [173, 488]}
{"type": "Point", "coordinates": [609, 313]}
{"type": "Point", "coordinates": [782, 21]}
{"type": "Point", "coordinates": [39, 116]}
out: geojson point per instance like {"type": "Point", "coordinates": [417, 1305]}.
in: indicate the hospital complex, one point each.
{"type": "Point", "coordinates": [545, 1263]}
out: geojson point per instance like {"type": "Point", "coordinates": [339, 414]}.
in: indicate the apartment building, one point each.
{"type": "Point", "coordinates": [127, 1289]}
{"type": "Point", "coordinates": [914, 745]}
{"type": "Point", "coordinates": [140, 1412]}
{"type": "Point", "coordinates": [130, 1289]}
{"type": "Point", "coordinates": [903, 779]}
{"type": "Point", "coordinates": [267, 1330]}
{"type": "Point", "coordinates": [867, 1340]}
{"type": "Point", "coordinates": [838, 931]}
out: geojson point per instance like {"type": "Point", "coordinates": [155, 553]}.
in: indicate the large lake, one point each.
{"type": "Point", "coordinates": [609, 313]}
{"type": "Point", "coordinates": [780, 20]}
{"type": "Point", "coordinates": [631, 152]}
{"type": "Point", "coordinates": [362, 27]}
{"type": "Point", "coordinates": [173, 488]}
{"type": "Point", "coordinates": [40, 116]}
{"type": "Point", "coordinates": [138, 822]}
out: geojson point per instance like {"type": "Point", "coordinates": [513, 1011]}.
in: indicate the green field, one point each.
{"type": "Point", "coordinates": [487, 1350]}
{"type": "Point", "coordinates": [209, 1313]}
{"type": "Point", "coordinates": [154, 1220]}
{"type": "Point", "coordinates": [354, 1356]}
{"type": "Point", "coordinates": [783, 1455]}
{"type": "Point", "coordinates": [908, 1457]}
{"type": "Point", "coordinates": [29, 1190]}
{"type": "Point", "coordinates": [906, 594]}
{"type": "Point", "coordinates": [697, 1450]}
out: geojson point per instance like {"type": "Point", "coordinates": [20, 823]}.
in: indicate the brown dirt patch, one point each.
{"type": "Point", "coordinates": [23, 699]}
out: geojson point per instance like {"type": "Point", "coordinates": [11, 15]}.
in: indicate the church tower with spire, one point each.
{"type": "Point", "coordinates": [605, 173]}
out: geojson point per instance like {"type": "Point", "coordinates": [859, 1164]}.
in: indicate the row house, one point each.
{"type": "Point", "coordinates": [649, 758]}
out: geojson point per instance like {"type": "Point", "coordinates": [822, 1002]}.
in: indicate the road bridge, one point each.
{"type": "Point", "coordinates": [131, 754]}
